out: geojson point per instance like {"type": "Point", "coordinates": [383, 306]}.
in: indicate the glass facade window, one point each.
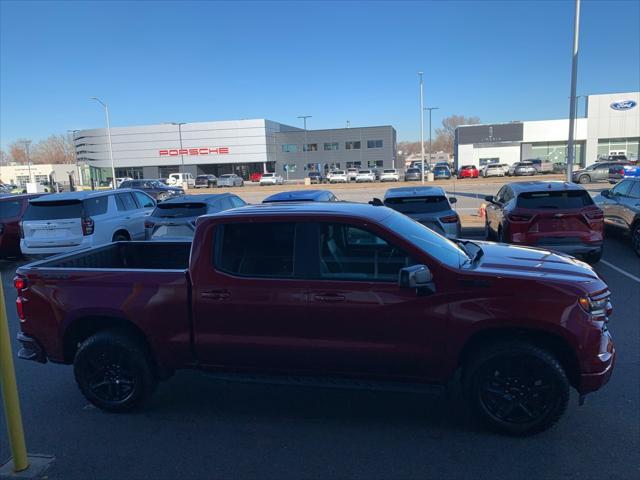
{"type": "Point", "coordinates": [556, 152]}
{"type": "Point", "coordinates": [331, 146]}
{"type": "Point", "coordinates": [619, 146]}
{"type": "Point", "coordinates": [311, 147]}
{"type": "Point", "coordinates": [22, 180]}
{"type": "Point", "coordinates": [356, 164]}
{"type": "Point", "coordinates": [131, 172]}
{"type": "Point", "coordinates": [374, 163]}
{"type": "Point", "coordinates": [355, 145]}
{"type": "Point", "coordinates": [290, 148]}
{"type": "Point", "coordinates": [374, 143]}
{"type": "Point", "coordinates": [290, 167]}
{"type": "Point", "coordinates": [166, 171]}
{"type": "Point", "coordinates": [41, 178]}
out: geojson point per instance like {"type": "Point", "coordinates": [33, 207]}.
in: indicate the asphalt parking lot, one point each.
{"type": "Point", "coordinates": [196, 427]}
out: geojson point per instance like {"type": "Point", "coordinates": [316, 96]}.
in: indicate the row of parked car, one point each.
{"type": "Point", "coordinates": [555, 215]}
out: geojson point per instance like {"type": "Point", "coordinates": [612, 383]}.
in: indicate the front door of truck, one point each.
{"type": "Point", "coordinates": [247, 300]}
{"type": "Point", "coordinates": [359, 320]}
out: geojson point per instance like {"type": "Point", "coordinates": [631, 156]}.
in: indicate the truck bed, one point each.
{"type": "Point", "coordinates": [124, 255]}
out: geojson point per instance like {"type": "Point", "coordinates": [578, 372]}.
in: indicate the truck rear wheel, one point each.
{"type": "Point", "coordinates": [517, 388]}
{"type": "Point", "coordinates": [114, 371]}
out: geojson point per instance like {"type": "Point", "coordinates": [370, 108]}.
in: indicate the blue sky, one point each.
{"type": "Point", "coordinates": [188, 61]}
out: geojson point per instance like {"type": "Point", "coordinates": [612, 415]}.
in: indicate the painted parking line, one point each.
{"type": "Point", "coordinates": [620, 270]}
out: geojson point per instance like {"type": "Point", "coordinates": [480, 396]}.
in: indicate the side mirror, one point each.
{"type": "Point", "coordinates": [453, 200]}
{"type": "Point", "coordinates": [376, 202]}
{"type": "Point", "coordinates": [489, 198]}
{"type": "Point", "coordinates": [606, 193]}
{"type": "Point", "coordinates": [415, 276]}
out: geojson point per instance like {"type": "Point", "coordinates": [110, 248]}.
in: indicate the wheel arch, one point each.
{"type": "Point", "coordinates": [84, 327]}
{"type": "Point", "coordinates": [121, 230]}
{"type": "Point", "coordinates": [554, 343]}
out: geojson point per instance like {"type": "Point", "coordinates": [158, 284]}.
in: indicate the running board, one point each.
{"type": "Point", "coordinates": [330, 382]}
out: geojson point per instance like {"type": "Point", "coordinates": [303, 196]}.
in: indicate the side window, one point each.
{"type": "Point", "coordinates": [96, 206]}
{"type": "Point", "coordinates": [500, 195]}
{"type": "Point", "coordinates": [237, 202]}
{"type": "Point", "coordinates": [225, 204]}
{"type": "Point", "coordinates": [352, 253]}
{"type": "Point", "coordinates": [144, 200]}
{"type": "Point", "coordinates": [635, 190]}
{"type": "Point", "coordinates": [125, 184]}
{"type": "Point", "coordinates": [134, 185]}
{"type": "Point", "coordinates": [124, 202]}
{"type": "Point", "coordinates": [256, 249]}
{"type": "Point", "coordinates": [622, 189]}
{"type": "Point", "coordinates": [604, 166]}
{"type": "Point", "coordinates": [508, 195]}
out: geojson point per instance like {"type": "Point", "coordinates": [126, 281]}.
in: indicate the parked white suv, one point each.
{"type": "Point", "coordinates": [63, 222]}
{"type": "Point", "coordinates": [178, 179]}
{"type": "Point", "coordinates": [271, 179]}
{"type": "Point", "coordinates": [365, 176]}
{"type": "Point", "coordinates": [389, 175]}
{"type": "Point", "coordinates": [493, 170]}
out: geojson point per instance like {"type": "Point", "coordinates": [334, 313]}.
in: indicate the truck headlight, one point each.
{"type": "Point", "coordinates": [598, 306]}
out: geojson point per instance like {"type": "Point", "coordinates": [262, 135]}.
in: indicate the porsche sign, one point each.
{"type": "Point", "coordinates": [176, 152]}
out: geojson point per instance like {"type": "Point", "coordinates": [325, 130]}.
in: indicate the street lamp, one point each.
{"type": "Point", "coordinates": [305, 146]}
{"type": "Point", "coordinates": [106, 113]}
{"type": "Point", "coordinates": [430, 110]}
{"type": "Point", "coordinates": [421, 125]}
{"type": "Point", "coordinates": [574, 80]}
{"type": "Point", "coordinates": [26, 144]}
{"type": "Point", "coordinates": [179, 124]}
{"type": "Point", "coordinates": [75, 154]}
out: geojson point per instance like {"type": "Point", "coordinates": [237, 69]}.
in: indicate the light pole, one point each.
{"type": "Point", "coordinates": [421, 126]}
{"type": "Point", "coordinates": [574, 80]}
{"type": "Point", "coordinates": [305, 146]}
{"type": "Point", "coordinates": [348, 123]}
{"type": "Point", "coordinates": [430, 110]}
{"type": "Point", "coordinates": [179, 124]}
{"type": "Point", "coordinates": [75, 154]}
{"type": "Point", "coordinates": [106, 113]}
{"type": "Point", "coordinates": [26, 152]}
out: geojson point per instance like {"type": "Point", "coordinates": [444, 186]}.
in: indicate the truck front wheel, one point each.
{"type": "Point", "coordinates": [517, 388]}
{"type": "Point", "coordinates": [114, 371]}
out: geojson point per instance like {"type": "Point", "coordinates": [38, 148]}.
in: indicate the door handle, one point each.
{"type": "Point", "coordinates": [329, 298]}
{"type": "Point", "coordinates": [216, 294]}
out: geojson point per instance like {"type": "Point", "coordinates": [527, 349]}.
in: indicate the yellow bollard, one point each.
{"type": "Point", "coordinates": [10, 393]}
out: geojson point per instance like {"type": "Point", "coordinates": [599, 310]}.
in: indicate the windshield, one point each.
{"type": "Point", "coordinates": [54, 210]}
{"type": "Point", "coordinates": [425, 204]}
{"type": "Point", "coordinates": [179, 210]}
{"type": "Point", "coordinates": [555, 200]}
{"type": "Point", "coordinates": [388, 171]}
{"type": "Point", "coordinates": [433, 244]}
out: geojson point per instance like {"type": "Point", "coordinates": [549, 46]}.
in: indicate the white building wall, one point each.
{"type": "Point", "coordinates": [507, 154]}
{"type": "Point", "coordinates": [553, 130]}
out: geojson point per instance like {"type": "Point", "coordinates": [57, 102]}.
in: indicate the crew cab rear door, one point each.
{"type": "Point", "coordinates": [248, 299]}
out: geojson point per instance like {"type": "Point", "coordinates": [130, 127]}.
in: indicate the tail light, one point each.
{"type": "Point", "coordinates": [450, 219]}
{"type": "Point", "coordinates": [148, 224]}
{"type": "Point", "coordinates": [20, 284]}
{"type": "Point", "coordinates": [88, 225]}
{"type": "Point", "coordinates": [519, 217]}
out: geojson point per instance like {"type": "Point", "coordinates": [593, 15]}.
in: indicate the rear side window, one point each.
{"type": "Point", "coordinates": [256, 249]}
{"type": "Point", "coordinates": [237, 202]}
{"type": "Point", "coordinates": [126, 184]}
{"type": "Point", "coordinates": [10, 209]}
{"type": "Point", "coordinates": [554, 200]}
{"type": "Point", "coordinates": [125, 201]}
{"type": "Point", "coordinates": [144, 200]}
{"type": "Point", "coordinates": [635, 190]}
{"type": "Point", "coordinates": [408, 205]}
{"type": "Point", "coordinates": [96, 206]}
{"type": "Point", "coordinates": [54, 210]}
{"type": "Point", "coordinates": [180, 210]}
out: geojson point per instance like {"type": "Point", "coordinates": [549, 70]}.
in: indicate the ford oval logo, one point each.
{"type": "Point", "coordinates": [623, 105]}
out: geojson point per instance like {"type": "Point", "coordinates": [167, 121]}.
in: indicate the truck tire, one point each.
{"type": "Point", "coordinates": [516, 388]}
{"type": "Point", "coordinates": [114, 371]}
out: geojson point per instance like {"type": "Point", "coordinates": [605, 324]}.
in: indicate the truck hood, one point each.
{"type": "Point", "coordinates": [501, 259]}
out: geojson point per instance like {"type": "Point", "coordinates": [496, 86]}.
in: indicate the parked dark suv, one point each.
{"type": "Point", "coordinates": [621, 207]}
{"type": "Point", "coordinates": [12, 209]}
{"type": "Point", "coordinates": [154, 188]}
{"type": "Point", "coordinates": [206, 181]}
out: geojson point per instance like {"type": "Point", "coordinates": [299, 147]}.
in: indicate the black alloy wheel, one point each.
{"type": "Point", "coordinates": [635, 238]}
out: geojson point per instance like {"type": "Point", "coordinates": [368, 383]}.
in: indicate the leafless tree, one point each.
{"type": "Point", "coordinates": [55, 149]}
{"type": "Point", "coordinates": [446, 134]}
{"type": "Point", "coordinates": [17, 151]}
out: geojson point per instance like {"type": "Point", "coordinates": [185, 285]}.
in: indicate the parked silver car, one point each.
{"type": "Point", "coordinates": [427, 205]}
{"type": "Point", "coordinates": [493, 170]}
{"type": "Point", "coordinates": [521, 169]}
{"type": "Point", "coordinates": [230, 180]}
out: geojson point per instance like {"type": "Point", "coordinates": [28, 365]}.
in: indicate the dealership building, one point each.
{"type": "Point", "coordinates": [239, 146]}
{"type": "Point", "coordinates": [611, 125]}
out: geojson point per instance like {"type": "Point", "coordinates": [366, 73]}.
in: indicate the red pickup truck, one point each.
{"type": "Point", "coordinates": [326, 294]}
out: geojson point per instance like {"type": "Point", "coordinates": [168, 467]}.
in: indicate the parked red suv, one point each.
{"type": "Point", "coordinates": [468, 171]}
{"type": "Point", "coordinates": [255, 177]}
{"type": "Point", "coordinates": [554, 215]}
{"type": "Point", "coordinates": [11, 210]}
